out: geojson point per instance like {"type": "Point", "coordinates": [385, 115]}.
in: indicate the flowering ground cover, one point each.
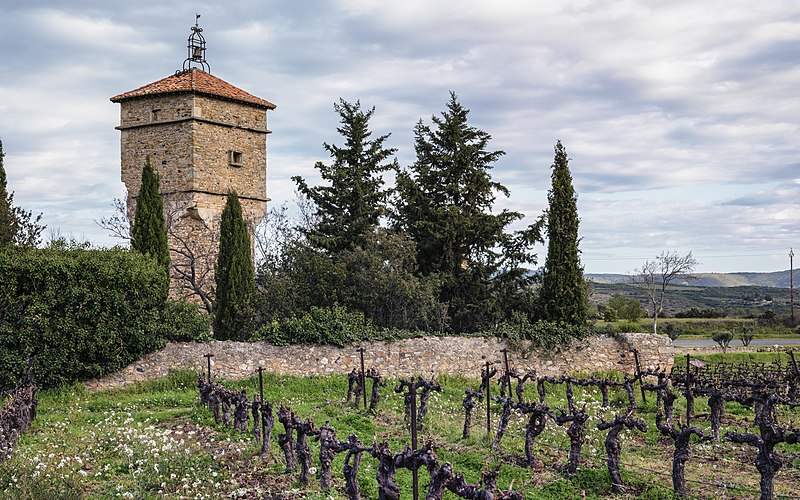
{"type": "Point", "coordinates": [153, 440]}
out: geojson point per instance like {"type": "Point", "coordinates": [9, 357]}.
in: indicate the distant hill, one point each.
{"type": "Point", "coordinates": [739, 294]}
{"type": "Point", "coordinates": [776, 279]}
{"type": "Point", "coordinates": [741, 301]}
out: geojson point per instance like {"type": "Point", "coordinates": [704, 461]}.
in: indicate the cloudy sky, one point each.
{"type": "Point", "coordinates": [680, 118]}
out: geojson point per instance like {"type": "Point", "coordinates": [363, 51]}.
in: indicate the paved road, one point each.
{"type": "Point", "coordinates": [736, 343]}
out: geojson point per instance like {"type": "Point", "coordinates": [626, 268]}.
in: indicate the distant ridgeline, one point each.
{"type": "Point", "coordinates": [777, 279]}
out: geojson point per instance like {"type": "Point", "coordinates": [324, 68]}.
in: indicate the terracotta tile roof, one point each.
{"type": "Point", "coordinates": [194, 80]}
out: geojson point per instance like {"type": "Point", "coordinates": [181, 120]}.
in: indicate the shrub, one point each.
{"type": "Point", "coordinates": [723, 338]}
{"type": "Point", "coordinates": [183, 322]}
{"type": "Point", "coordinates": [746, 334]}
{"type": "Point", "coordinates": [628, 327]}
{"type": "Point", "coordinates": [622, 308]}
{"type": "Point", "coordinates": [672, 331]}
{"type": "Point", "coordinates": [696, 312]}
{"type": "Point", "coordinates": [609, 314]}
{"type": "Point", "coordinates": [524, 337]}
{"type": "Point", "coordinates": [321, 325]}
{"type": "Point", "coordinates": [334, 325]}
{"type": "Point", "coordinates": [78, 313]}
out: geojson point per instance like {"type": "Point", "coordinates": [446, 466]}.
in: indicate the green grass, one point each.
{"type": "Point", "coordinates": [739, 357]}
{"type": "Point", "coordinates": [152, 441]}
{"type": "Point", "coordinates": [702, 328]}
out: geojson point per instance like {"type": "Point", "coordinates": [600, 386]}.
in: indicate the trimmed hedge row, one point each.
{"type": "Point", "coordinates": [328, 325]}
{"type": "Point", "coordinates": [338, 326]}
{"type": "Point", "coordinates": [78, 313]}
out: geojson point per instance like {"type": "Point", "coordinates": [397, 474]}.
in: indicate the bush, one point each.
{"type": "Point", "coordinates": [628, 327]}
{"type": "Point", "coordinates": [672, 331]}
{"type": "Point", "coordinates": [183, 322]}
{"type": "Point", "coordinates": [609, 315]}
{"type": "Point", "coordinates": [696, 312]}
{"type": "Point", "coordinates": [723, 338]}
{"type": "Point", "coordinates": [746, 334]}
{"type": "Point", "coordinates": [524, 337]}
{"type": "Point", "coordinates": [321, 325]}
{"type": "Point", "coordinates": [334, 325]}
{"type": "Point", "coordinates": [78, 313]}
{"type": "Point", "coordinates": [622, 308]}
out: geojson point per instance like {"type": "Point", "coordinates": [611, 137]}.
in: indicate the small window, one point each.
{"type": "Point", "coordinates": [235, 158]}
{"type": "Point", "coordinates": [154, 115]}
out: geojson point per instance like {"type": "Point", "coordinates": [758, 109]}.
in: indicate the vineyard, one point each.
{"type": "Point", "coordinates": [353, 436]}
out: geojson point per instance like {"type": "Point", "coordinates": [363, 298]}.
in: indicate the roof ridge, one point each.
{"type": "Point", "coordinates": [194, 80]}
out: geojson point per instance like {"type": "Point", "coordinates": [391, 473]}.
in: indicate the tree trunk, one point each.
{"type": "Point", "coordinates": [350, 469]}
{"type": "Point", "coordinates": [286, 440]}
{"type": "Point", "coordinates": [505, 416]}
{"type": "Point", "coordinates": [268, 422]}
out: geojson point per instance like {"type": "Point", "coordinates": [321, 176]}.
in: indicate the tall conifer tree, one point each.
{"type": "Point", "coordinates": [149, 232]}
{"type": "Point", "coordinates": [17, 226]}
{"type": "Point", "coordinates": [563, 296]}
{"type": "Point", "coordinates": [444, 205]}
{"type": "Point", "coordinates": [233, 311]}
{"type": "Point", "coordinates": [353, 201]}
{"type": "Point", "coordinates": [8, 226]}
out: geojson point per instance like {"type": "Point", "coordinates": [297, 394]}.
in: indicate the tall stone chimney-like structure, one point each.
{"type": "Point", "coordinates": [205, 138]}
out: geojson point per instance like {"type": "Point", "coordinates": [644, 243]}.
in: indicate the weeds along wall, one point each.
{"type": "Point", "coordinates": [402, 358]}
{"type": "Point", "coordinates": [78, 313]}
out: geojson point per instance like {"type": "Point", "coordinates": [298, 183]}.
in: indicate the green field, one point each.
{"type": "Point", "coordinates": [152, 440]}
{"type": "Point", "coordinates": [703, 328]}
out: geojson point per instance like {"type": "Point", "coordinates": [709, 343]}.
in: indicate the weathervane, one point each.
{"type": "Point", "coordinates": [196, 48]}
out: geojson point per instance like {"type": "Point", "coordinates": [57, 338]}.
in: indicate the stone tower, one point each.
{"type": "Point", "coordinates": [205, 138]}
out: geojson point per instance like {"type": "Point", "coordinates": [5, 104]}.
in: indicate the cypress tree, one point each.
{"type": "Point", "coordinates": [149, 233]}
{"type": "Point", "coordinates": [563, 296]}
{"type": "Point", "coordinates": [8, 226]}
{"type": "Point", "coordinates": [17, 226]}
{"type": "Point", "coordinates": [233, 311]}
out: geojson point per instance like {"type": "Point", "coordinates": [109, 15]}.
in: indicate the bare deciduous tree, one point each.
{"type": "Point", "coordinates": [192, 265]}
{"type": "Point", "coordinates": [655, 276]}
{"type": "Point", "coordinates": [271, 237]}
{"type": "Point", "coordinates": [118, 224]}
{"type": "Point", "coordinates": [192, 259]}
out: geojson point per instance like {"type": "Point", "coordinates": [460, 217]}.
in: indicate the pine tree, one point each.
{"type": "Point", "coordinates": [563, 296]}
{"type": "Point", "coordinates": [444, 205]}
{"type": "Point", "coordinates": [17, 226]}
{"type": "Point", "coordinates": [235, 281]}
{"type": "Point", "coordinates": [149, 233]}
{"type": "Point", "coordinates": [353, 201]}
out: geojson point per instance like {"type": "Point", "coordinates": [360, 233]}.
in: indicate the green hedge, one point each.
{"type": "Point", "coordinates": [78, 313]}
{"type": "Point", "coordinates": [338, 326]}
{"type": "Point", "coordinates": [328, 325]}
{"type": "Point", "coordinates": [524, 337]}
{"type": "Point", "coordinates": [183, 322]}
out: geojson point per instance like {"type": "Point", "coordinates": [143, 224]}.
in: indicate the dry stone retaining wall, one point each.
{"type": "Point", "coordinates": [425, 356]}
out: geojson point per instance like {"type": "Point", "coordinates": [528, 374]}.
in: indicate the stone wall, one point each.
{"type": "Point", "coordinates": [424, 356]}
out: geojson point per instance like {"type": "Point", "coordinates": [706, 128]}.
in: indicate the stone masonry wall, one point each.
{"type": "Point", "coordinates": [188, 138]}
{"type": "Point", "coordinates": [424, 356]}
